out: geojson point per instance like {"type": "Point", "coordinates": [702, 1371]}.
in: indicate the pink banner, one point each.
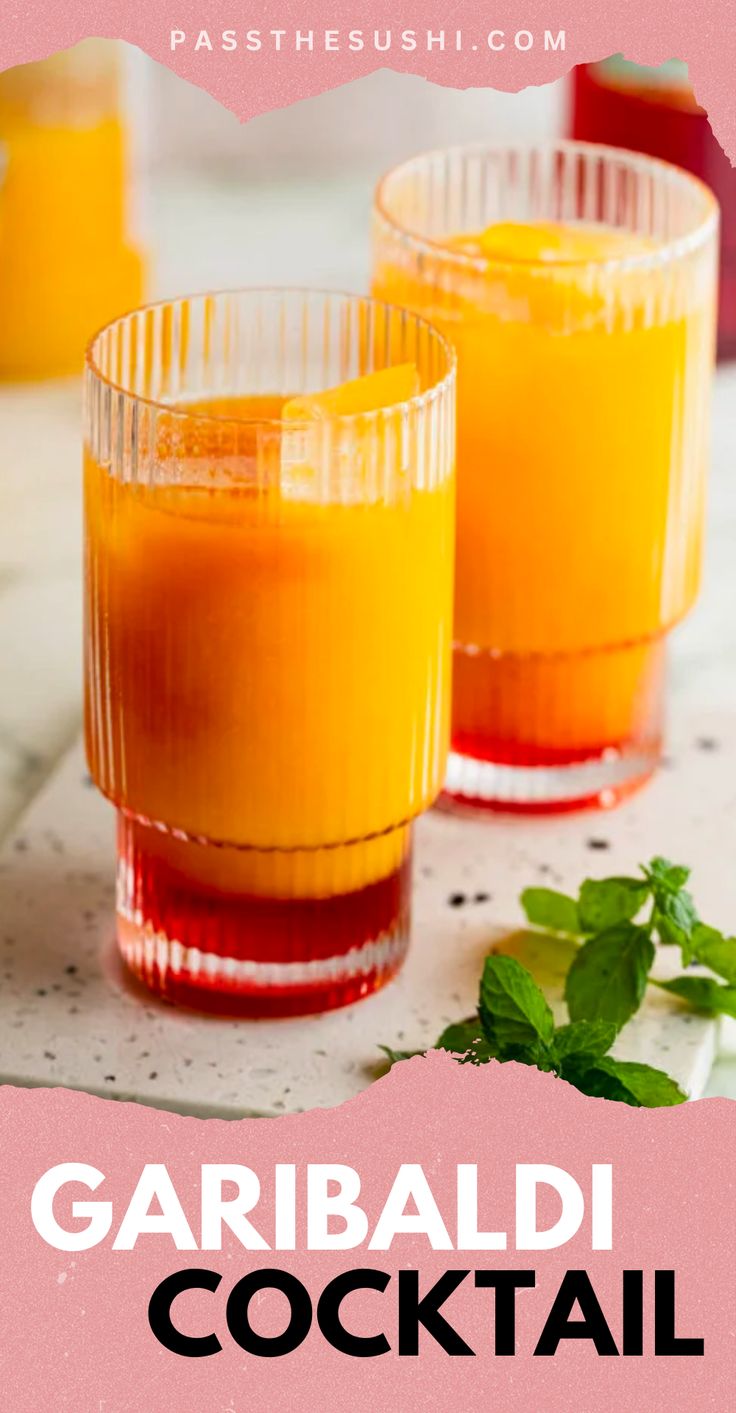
{"type": "Point", "coordinates": [188, 38]}
{"type": "Point", "coordinates": [452, 1151]}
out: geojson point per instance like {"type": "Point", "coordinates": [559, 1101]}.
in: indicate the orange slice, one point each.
{"type": "Point", "coordinates": [367, 394]}
{"type": "Point", "coordinates": [331, 460]}
{"type": "Point", "coordinates": [550, 242]}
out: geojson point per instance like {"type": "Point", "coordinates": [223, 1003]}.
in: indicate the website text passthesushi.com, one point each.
{"type": "Point", "coordinates": [356, 41]}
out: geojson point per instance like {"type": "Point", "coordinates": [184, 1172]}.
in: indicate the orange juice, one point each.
{"type": "Point", "coordinates": [267, 692]}
{"type": "Point", "coordinates": [67, 264]}
{"type": "Point", "coordinates": [582, 448]}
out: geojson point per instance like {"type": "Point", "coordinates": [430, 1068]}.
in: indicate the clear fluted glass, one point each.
{"type": "Point", "coordinates": [577, 284]}
{"type": "Point", "coordinates": [268, 638]}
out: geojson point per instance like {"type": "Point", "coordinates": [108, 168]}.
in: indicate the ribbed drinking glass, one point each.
{"type": "Point", "coordinates": [268, 638]}
{"type": "Point", "coordinates": [577, 284]}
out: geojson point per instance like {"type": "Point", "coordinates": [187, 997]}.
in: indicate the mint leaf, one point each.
{"type": "Point", "coordinates": [394, 1056]}
{"type": "Point", "coordinates": [591, 1038]}
{"type": "Point", "coordinates": [676, 919]}
{"type": "Point", "coordinates": [641, 1086]}
{"type": "Point", "coordinates": [459, 1036]}
{"type": "Point", "coordinates": [649, 1087]}
{"type": "Point", "coordinates": [704, 994]}
{"type": "Point", "coordinates": [713, 950]}
{"type": "Point", "coordinates": [512, 1009]}
{"type": "Point", "coordinates": [667, 874]}
{"type": "Point", "coordinates": [466, 1039]}
{"type": "Point", "coordinates": [675, 913]}
{"type": "Point", "coordinates": [608, 976]}
{"type": "Point", "coordinates": [590, 1079]}
{"type": "Point", "coordinates": [603, 902]}
{"type": "Point", "coordinates": [537, 1054]}
{"type": "Point", "coordinates": [546, 908]}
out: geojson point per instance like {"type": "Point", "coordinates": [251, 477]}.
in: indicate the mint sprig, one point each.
{"type": "Point", "coordinates": [514, 1022]}
{"type": "Point", "coordinates": [609, 975]}
{"type": "Point", "coordinates": [617, 924]}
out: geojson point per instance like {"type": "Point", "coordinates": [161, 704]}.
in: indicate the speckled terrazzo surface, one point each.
{"type": "Point", "coordinates": [70, 1015]}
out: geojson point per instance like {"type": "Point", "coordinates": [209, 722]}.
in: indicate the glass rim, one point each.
{"type": "Point", "coordinates": [417, 402]}
{"type": "Point", "coordinates": [675, 248]}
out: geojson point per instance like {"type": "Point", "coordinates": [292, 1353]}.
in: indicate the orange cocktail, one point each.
{"type": "Point", "coordinates": [67, 261]}
{"type": "Point", "coordinates": [269, 584]}
{"type": "Point", "coordinates": [577, 285]}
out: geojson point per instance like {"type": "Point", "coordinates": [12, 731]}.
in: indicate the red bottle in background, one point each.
{"type": "Point", "coordinates": [654, 111]}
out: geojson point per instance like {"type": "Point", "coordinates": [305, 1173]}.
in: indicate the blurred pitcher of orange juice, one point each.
{"type": "Point", "coordinates": [67, 259]}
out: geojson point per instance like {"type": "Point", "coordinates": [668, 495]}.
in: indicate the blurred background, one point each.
{"type": "Point", "coordinates": [119, 181]}
{"type": "Point", "coordinates": [344, 139]}
{"type": "Point", "coordinates": [297, 182]}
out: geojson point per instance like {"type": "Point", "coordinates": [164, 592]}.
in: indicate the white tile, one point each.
{"type": "Point", "coordinates": [92, 1029]}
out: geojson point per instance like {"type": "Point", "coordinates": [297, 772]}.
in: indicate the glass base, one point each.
{"type": "Point", "coordinates": [565, 731]}
{"type": "Point", "coordinates": [597, 783]}
{"type": "Point", "coordinates": [189, 934]}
